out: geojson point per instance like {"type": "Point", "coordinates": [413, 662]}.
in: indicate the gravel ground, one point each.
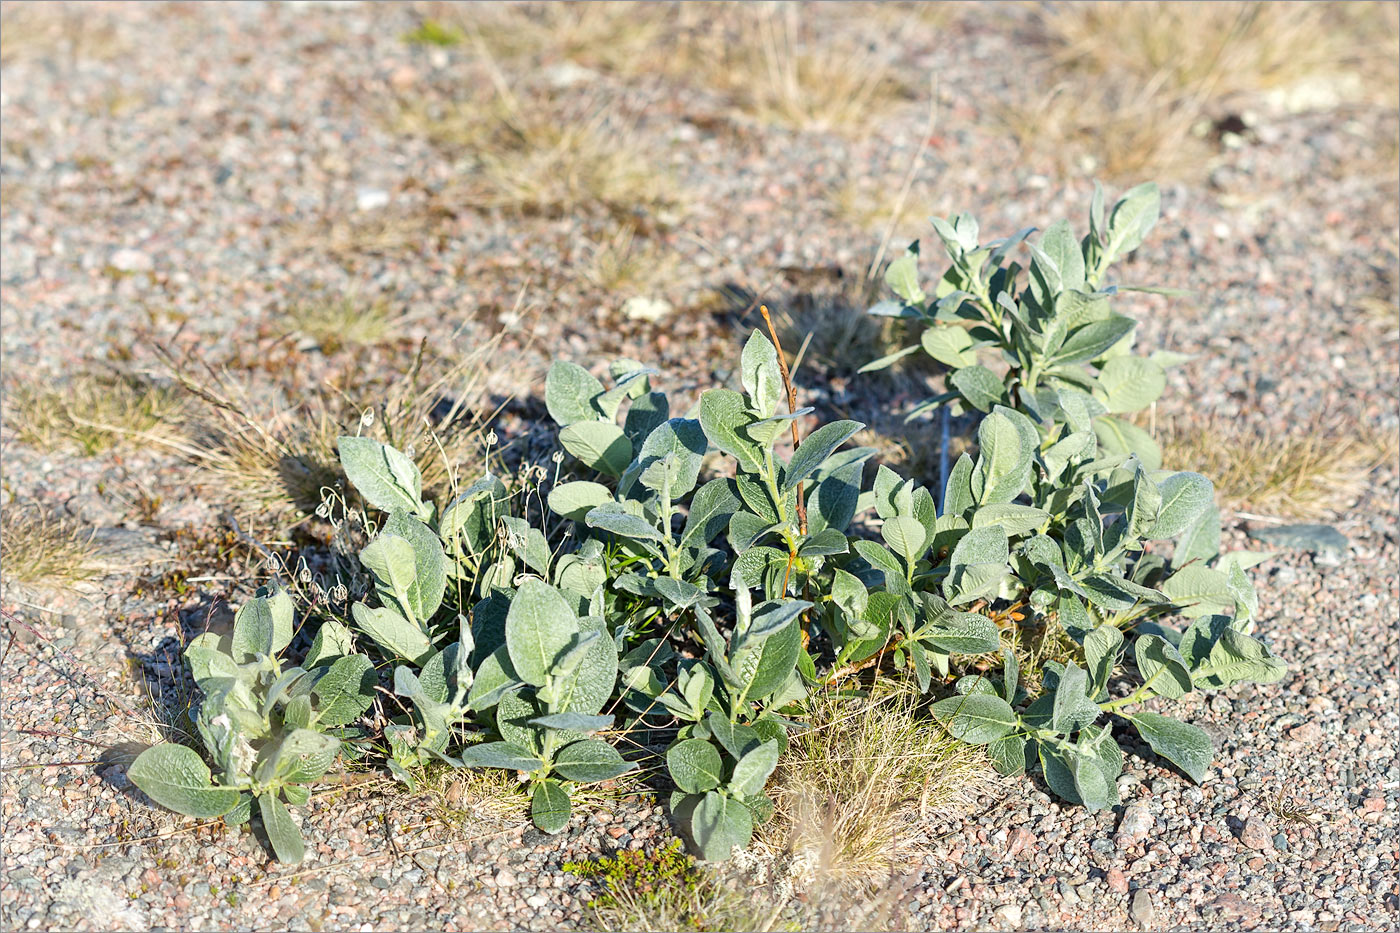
{"type": "Point", "coordinates": [175, 176]}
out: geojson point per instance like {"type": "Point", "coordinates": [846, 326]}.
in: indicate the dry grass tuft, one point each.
{"type": "Point", "coordinates": [335, 323]}
{"type": "Point", "coordinates": [94, 410]}
{"type": "Point", "coordinates": [384, 232]}
{"type": "Point", "coordinates": [1134, 87]}
{"type": "Point", "coordinates": [852, 789]}
{"type": "Point", "coordinates": [279, 461]}
{"type": "Point", "coordinates": [606, 35]}
{"type": "Point", "coordinates": [777, 71]}
{"type": "Point", "coordinates": [526, 156]}
{"type": "Point", "coordinates": [1311, 471]}
{"type": "Point", "coordinates": [31, 31]}
{"type": "Point", "coordinates": [625, 265]}
{"type": "Point", "coordinates": [39, 547]}
{"type": "Point", "coordinates": [487, 795]}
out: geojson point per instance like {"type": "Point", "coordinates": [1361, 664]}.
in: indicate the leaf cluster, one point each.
{"type": "Point", "coordinates": [271, 729]}
{"type": "Point", "coordinates": [664, 606]}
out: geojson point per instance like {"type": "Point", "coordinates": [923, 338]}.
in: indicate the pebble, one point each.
{"type": "Point", "coordinates": [1008, 916]}
{"type": "Point", "coordinates": [1141, 910]}
{"type": "Point", "coordinates": [131, 260]}
{"type": "Point", "coordinates": [1136, 823]}
{"type": "Point", "coordinates": [1257, 834]}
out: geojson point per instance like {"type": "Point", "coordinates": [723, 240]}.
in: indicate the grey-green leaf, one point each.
{"type": "Point", "coordinates": [499, 755]}
{"type": "Point", "coordinates": [815, 448]}
{"type": "Point", "coordinates": [1184, 745]}
{"type": "Point", "coordinates": [174, 776]}
{"type": "Point", "coordinates": [751, 771]}
{"type": "Point", "coordinates": [573, 500]}
{"type": "Point", "coordinates": [695, 765]}
{"type": "Point", "coordinates": [385, 477]}
{"type": "Point", "coordinates": [719, 824]}
{"type": "Point", "coordinates": [725, 419]}
{"type": "Point", "coordinates": [979, 385]}
{"type": "Point", "coordinates": [590, 760]}
{"type": "Point", "coordinates": [1184, 497]}
{"type": "Point", "coordinates": [569, 391]}
{"type": "Point", "coordinates": [599, 445]}
{"type": "Point", "coordinates": [1160, 663]}
{"type": "Point", "coordinates": [550, 807]}
{"type": "Point", "coordinates": [282, 830]}
{"type": "Point", "coordinates": [398, 637]}
{"type": "Point", "coordinates": [539, 626]}
{"type": "Point", "coordinates": [976, 719]}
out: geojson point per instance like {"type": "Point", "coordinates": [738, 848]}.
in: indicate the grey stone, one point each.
{"type": "Point", "coordinates": [1313, 539]}
{"type": "Point", "coordinates": [131, 260]}
{"type": "Point", "coordinates": [1141, 909]}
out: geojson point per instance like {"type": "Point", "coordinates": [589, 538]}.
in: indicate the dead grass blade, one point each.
{"type": "Point", "coordinates": [1134, 88]}
{"type": "Point", "coordinates": [1315, 470]}
{"type": "Point", "coordinates": [94, 410]}
{"type": "Point", "coordinates": [852, 788]}
{"type": "Point", "coordinates": [40, 547]}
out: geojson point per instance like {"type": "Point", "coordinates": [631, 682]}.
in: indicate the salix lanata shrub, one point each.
{"type": "Point", "coordinates": [698, 573]}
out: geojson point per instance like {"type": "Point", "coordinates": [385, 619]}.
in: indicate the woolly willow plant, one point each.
{"type": "Point", "coordinates": [653, 610]}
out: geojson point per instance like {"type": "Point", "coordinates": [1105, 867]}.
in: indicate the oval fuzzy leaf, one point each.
{"type": "Point", "coordinates": [569, 391]}
{"type": "Point", "coordinates": [175, 777]}
{"type": "Point", "coordinates": [1131, 383]}
{"type": "Point", "coordinates": [1003, 462]}
{"type": "Point", "coordinates": [815, 448]}
{"type": "Point", "coordinates": [598, 445]}
{"type": "Point", "coordinates": [539, 626]}
{"type": "Point", "coordinates": [759, 372]}
{"type": "Point", "coordinates": [1093, 340]}
{"type": "Point", "coordinates": [590, 760]}
{"type": "Point", "coordinates": [671, 455]}
{"type": "Point", "coordinates": [1015, 519]}
{"type": "Point", "coordinates": [1184, 497]}
{"type": "Point", "coordinates": [613, 517]}
{"type": "Point", "coordinates": [951, 346]}
{"type": "Point", "coordinates": [344, 691]}
{"type": "Point", "coordinates": [751, 772]}
{"type": "Point", "coordinates": [979, 385]}
{"type": "Point", "coordinates": [726, 419]}
{"type": "Point", "coordinates": [905, 536]}
{"type": "Point", "coordinates": [386, 478]}
{"type": "Point", "coordinates": [1160, 663]}
{"type": "Point", "coordinates": [1132, 217]}
{"type": "Point", "coordinates": [964, 633]}
{"type": "Point", "coordinates": [398, 637]}
{"type": "Point", "coordinates": [976, 719]}
{"type": "Point", "coordinates": [282, 831]}
{"type": "Point", "coordinates": [1072, 708]}
{"type": "Point", "coordinates": [1184, 745]}
{"type": "Point", "coordinates": [550, 807]}
{"type": "Point", "coordinates": [579, 722]}
{"type": "Point", "coordinates": [504, 755]}
{"type": "Point", "coordinates": [574, 500]}
{"type": "Point", "coordinates": [429, 563]}
{"type": "Point", "coordinates": [695, 765]}
{"type": "Point", "coordinates": [719, 825]}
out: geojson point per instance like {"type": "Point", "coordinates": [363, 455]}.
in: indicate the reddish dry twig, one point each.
{"type": "Point", "coordinates": [801, 501]}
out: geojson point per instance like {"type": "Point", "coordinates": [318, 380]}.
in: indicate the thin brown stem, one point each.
{"type": "Point", "coordinates": [792, 408]}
